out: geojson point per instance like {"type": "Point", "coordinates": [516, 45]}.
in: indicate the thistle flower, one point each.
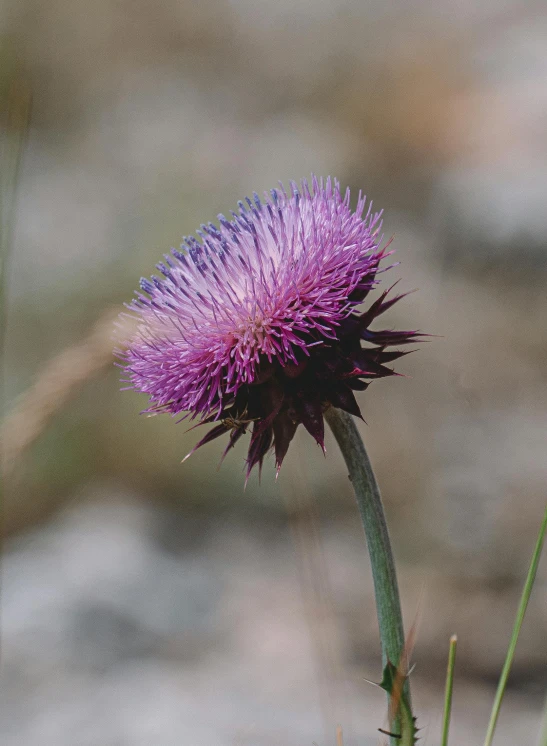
{"type": "Point", "coordinates": [255, 325]}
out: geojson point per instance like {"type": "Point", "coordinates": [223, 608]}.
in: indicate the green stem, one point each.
{"type": "Point", "coordinates": [14, 118]}
{"type": "Point", "coordinates": [448, 689]}
{"type": "Point", "coordinates": [369, 501]}
{"type": "Point", "coordinates": [516, 631]}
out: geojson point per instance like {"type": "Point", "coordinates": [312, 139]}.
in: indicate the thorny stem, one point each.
{"type": "Point", "coordinates": [369, 501]}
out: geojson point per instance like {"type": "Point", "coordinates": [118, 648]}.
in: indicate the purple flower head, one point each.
{"type": "Point", "coordinates": [255, 324]}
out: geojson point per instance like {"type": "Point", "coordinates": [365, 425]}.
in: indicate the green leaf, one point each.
{"type": "Point", "coordinates": [393, 683]}
{"type": "Point", "coordinates": [388, 678]}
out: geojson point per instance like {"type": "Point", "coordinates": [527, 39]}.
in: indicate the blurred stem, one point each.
{"type": "Point", "coordinates": [369, 501]}
{"type": "Point", "coordinates": [516, 631]}
{"type": "Point", "coordinates": [14, 119]}
{"type": "Point", "coordinates": [448, 689]}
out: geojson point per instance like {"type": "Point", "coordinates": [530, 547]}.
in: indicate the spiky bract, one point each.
{"type": "Point", "coordinates": [255, 323]}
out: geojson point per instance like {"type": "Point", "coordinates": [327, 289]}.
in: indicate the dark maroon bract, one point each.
{"type": "Point", "coordinates": [254, 325]}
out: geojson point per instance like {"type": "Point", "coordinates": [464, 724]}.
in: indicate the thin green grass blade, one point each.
{"type": "Point", "coordinates": [516, 631]}
{"type": "Point", "coordinates": [542, 740]}
{"type": "Point", "coordinates": [448, 689]}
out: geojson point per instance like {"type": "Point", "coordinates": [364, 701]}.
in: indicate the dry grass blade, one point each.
{"type": "Point", "coordinates": [403, 666]}
{"type": "Point", "coordinates": [59, 381]}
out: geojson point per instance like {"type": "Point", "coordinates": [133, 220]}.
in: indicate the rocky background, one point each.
{"type": "Point", "coordinates": [145, 602]}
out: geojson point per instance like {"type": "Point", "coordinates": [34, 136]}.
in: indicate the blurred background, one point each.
{"type": "Point", "coordinates": [149, 602]}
